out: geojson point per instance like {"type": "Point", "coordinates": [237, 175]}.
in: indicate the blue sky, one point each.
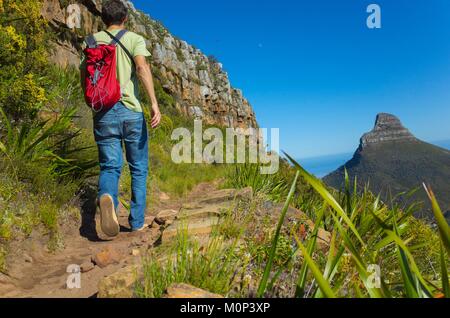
{"type": "Point", "coordinates": [314, 69]}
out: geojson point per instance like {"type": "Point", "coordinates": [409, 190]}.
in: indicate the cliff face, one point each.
{"type": "Point", "coordinates": [198, 83]}
{"type": "Point", "coordinates": [387, 128]}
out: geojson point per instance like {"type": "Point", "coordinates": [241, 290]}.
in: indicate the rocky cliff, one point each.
{"type": "Point", "coordinates": [387, 128]}
{"type": "Point", "coordinates": [392, 161]}
{"type": "Point", "coordinates": [198, 84]}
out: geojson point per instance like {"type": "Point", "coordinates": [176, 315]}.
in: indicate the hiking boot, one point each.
{"type": "Point", "coordinates": [108, 218]}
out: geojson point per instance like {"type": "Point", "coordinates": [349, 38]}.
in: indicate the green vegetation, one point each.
{"type": "Point", "coordinates": [213, 267]}
{"type": "Point", "coordinates": [177, 179]}
{"type": "Point", "coordinates": [180, 55]}
{"type": "Point", "coordinates": [374, 235]}
{"type": "Point", "coordinates": [200, 66]}
{"type": "Point", "coordinates": [283, 259]}
{"type": "Point", "coordinates": [23, 56]}
{"type": "Point", "coordinates": [249, 175]}
{"type": "Point", "coordinates": [43, 162]}
{"type": "Point", "coordinates": [213, 60]}
{"type": "Point", "coordinates": [276, 238]}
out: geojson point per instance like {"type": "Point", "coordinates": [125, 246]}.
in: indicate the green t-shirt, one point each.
{"type": "Point", "coordinates": [128, 82]}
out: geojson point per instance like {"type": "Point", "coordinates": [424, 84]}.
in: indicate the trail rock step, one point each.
{"type": "Point", "coordinates": [188, 291]}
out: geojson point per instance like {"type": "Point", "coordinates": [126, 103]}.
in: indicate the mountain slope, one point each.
{"type": "Point", "coordinates": [392, 161]}
{"type": "Point", "coordinates": [195, 84]}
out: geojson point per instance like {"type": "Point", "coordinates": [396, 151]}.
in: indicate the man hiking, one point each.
{"type": "Point", "coordinates": [118, 116]}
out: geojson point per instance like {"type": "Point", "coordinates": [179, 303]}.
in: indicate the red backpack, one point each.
{"type": "Point", "coordinates": [102, 88]}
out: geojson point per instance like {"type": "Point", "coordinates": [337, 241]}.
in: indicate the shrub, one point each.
{"type": "Point", "coordinates": [180, 55]}
{"type": "Point", "coordinates": [249, 175]}
{"type": "Point", "coordinates": [23, 58]}
{"type": "Point", "coordinates": [31, 199]}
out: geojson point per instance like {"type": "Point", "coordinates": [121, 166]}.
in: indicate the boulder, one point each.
{"type": "Point", "coordinates": [196, 227]}
{"type": "Point", "coordinates": [86, 267]}
{"type": "Point", "coordinates": [323, 239]}
{"type": "Point", "coordinates": [106, 257]}
{"type": "Point", "coordinates": [226, 195]}
{"type": "Point", "coordinates": [193, 211]}
{"type": "Point", "coordinates": [149, 219]}
{"type": "Point", "coordinates": [135, 252]}
{"type": "Point", "coordinates": [166, 215]}
{"type": "Point", "coordinates": [164, 196]}
{"type": "Point", "coordinates": [120, 284]}
{"type": "Point", "coordinates": [188, 291]}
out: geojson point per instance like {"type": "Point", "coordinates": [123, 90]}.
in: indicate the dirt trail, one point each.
{"type": "Point", "coordinates": [35, 272]}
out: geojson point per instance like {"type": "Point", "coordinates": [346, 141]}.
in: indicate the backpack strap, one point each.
{"type": "Point", "coordinates": [116, 41]}
{"type": "Point", "coordinates": [91, 42]}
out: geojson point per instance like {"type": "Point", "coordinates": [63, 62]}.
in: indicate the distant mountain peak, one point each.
{"type": "Point", "coordinates": [387, 128]}
{"type": "Point", "coordinates": [391, 161]}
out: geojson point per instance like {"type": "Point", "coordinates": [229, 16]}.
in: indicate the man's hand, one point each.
{"type": "Point", "coordinates": [156, 116]}
{"type": "Point", "coordinates": [145, 75]}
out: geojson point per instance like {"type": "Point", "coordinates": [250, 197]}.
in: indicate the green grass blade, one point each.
{"type": "Point", "coordinates": [410, 283]}
{"type": "Point", "coordinates": [412, 263]}
{"type": "Point", "coordinates": [333, 260]}
{"type": "Point", "coordinates": [8, 125]}
{"type": "Point", "coordinates": [361, 267]}
{"type": "Point", "coordinates": [281, 269]}
{"type": "Point", "coordinates": [318, 186]}
{"type": "Point", "coordinates": [444, 228]}
{"type": "Point", "coordinates": [263, 283]}
{"type": "Point", "coordinates": [321, 281]}
{"type": "Point", "coordinates": [301, 283]}
{"type": "Point", "coordinates": [357, 290]}
{"type": "Point", "coordinates": [444, 278]}
{"type": "Point", "coordinates": [3, 148]}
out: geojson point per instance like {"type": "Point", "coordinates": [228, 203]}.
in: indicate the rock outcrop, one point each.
{"type": "Point", "coordinates": [121, 284]}
{"type": "Point", "coordinates": [387, 128]}
{"type": "Point", "coordinates": [198, 218]}
{"type": "Point", "coordinates": [198, 84]}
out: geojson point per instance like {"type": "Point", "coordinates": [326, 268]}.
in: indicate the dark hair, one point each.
{"type": "Point", "coordinates": [114, 12]}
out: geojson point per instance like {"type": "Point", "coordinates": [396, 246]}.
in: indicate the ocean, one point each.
{"type": "Point", "coordinates": [323, 165]}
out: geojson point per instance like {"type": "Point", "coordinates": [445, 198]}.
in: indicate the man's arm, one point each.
{"type": "Point", "coordinates": [145, 75]}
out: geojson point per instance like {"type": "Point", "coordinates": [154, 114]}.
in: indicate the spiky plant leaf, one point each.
{"type": "Point", "coordinates": [263, 283]}
{"type": "Point", "coordinates": [318, 186]}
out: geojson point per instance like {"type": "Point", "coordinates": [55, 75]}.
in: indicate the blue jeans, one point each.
{"type": "Point", "coordinates": [111, 128]}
